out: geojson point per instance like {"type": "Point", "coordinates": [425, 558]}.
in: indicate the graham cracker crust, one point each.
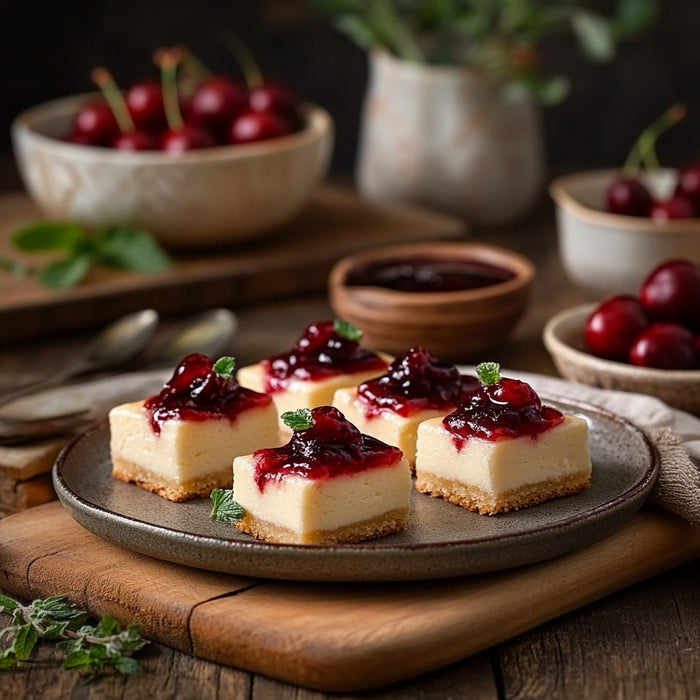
{"type": "Point", "coordinates": [479, 501]}
{"type": "Point", "coordinates": [386, 524]}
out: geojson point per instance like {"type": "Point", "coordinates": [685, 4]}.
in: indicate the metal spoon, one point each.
{"type": "Point", "coordinates": [208, 332]}
{"type": "Point", "coordinates": [117, 343]}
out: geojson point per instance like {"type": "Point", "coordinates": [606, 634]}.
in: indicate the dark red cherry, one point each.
{"type": "Point", "coordinates": [144, 101]}
{"type": "Point", "coordinates": [136, 141]}
{"type": "Point", "coordinates": [671, 292]}
{"type": "Point", "coordinates": [97, 122]}
{"type": "Point", "coordinates": [689, 183]}
{"type": "Point", "coordinates": [216, 102]}
{"type": "Point", "coordinates": [613, 325]}
{"type": "Point", "coordinates": [187, 138]}
{"type": "Point", "coordinates": [664, 346]}
{"type": "Point", "coordinates": [677, 207]}
{"type": "Point", "coordinates": [253, 126]}
{"type": "Point", "coordinates": [629, 197]}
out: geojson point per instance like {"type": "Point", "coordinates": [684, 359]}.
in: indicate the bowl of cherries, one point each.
{"type": "Point", "coordinates": [219, 162]}
{"type": "Point", "coordinates": [614, 225]}
{"type": "Point", "coordinates": [647, 342]}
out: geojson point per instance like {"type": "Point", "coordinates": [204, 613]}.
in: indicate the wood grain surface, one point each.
{"type": "Point", "coordinates": [340, 637]}
{"type": "Point", "coordinates": [292, 260]}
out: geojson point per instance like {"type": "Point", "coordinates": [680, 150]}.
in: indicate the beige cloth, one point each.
{"type": "Point", "coordinates": [675, 434]}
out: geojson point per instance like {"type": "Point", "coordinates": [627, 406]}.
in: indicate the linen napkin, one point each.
{"type": "Point", "coordinates": [674, 433]}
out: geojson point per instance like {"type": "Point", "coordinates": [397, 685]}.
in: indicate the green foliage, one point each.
{"type": "Point", "coordinates": [225, 509]}
{"type": "Point", "coordinates": [347, 330]}
{"type": "Point", "coordinates": [225, 367]}
{"type": "Point", "coordinates": [300, 419]}
{"type": "Point", "coordinates": [90, 649]}
{"type": "Point", "coordinates": [488, 372]}
{"type": "Point", "coordinates": [118, 247]}
{"type": "Point", "coordinates": [498, 37]}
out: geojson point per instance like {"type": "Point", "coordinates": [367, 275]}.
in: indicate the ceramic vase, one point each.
{"type": "Point", "coordinates": [446, 137]}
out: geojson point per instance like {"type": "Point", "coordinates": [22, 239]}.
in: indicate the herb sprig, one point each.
{"type": "Point", "coordinates": [225, 509]}
{"type": "Point", "coordinates": [120, 247]}
{"type": "Point", "coordinates": [89, 649]}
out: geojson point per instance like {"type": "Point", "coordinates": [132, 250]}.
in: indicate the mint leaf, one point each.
{"type": "Point", "coordinates": [7, 604]}
{"type": "Point", "coordinates": [347, 330]}
{"type": "Point", "coordinates": [132, 249]}
{"type": "Point", "coordinates": [65, 273]}
{"type": "Point", "coordinates": [225, 509]}
{"type": "Point", "coordinates": [24, 642]}
{"type": "Point", "coordinates": [225, 367]}
{"type": "Point", "coordinates": [488, 372]}
{"type": "Point", "coordinates": [300, 419]}
{"type": "Point", "coordinates": [127, 666]}
{"type": "Point", "coordinates": [47, 236]}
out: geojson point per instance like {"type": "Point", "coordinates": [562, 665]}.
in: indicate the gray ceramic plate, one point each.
{"type": "Point", "coordinates": [441, 540]}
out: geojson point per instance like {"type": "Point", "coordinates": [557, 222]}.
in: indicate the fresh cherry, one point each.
{"type": "Point", "coordinates": [676, 207]}
{"type": "Point", "coordinates": [689, 183]}
{"type": "Point", "coordinates": [671, 292]}
{"type": "Point", "coordinates": [271, 97]}
{"type": "Point", "coordinates": [257, 126]}
{"type": "Point", "coordinates": [145, 103]}
{"type": "Point", "coordinates": [664, 346]}
{"type": "Point", "coordinates": [629, 197]}
{"type": "Point", "coordinates": [97, 122]}
{"type": "Point", "coordinates": [216, 102]}
{"type": "Point", "coordinates": [613, 326]}
{"type": "Point", "coordinates": [188, 137]}
{"type": "Point", "coordinates": [136, 141]}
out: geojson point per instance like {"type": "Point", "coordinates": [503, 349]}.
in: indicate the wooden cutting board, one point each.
{"type": "Point", "coordinates": [335, 637]}
{"type": "Point", "coordinates": [295, 259]}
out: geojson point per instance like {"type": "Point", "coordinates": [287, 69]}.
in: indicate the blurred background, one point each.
{"type": "Point", "coordinates": [49, 49]}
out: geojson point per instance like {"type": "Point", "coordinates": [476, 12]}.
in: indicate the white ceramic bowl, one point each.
{"type": "Point", "coordinates": [203, 197]}
{"type": "Point", "coordinates": [563, 338]}
{"type": "Point", "coordinates": [608, 253]}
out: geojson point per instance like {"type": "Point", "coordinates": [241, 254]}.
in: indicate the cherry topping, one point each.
{"type": "Point", "coordinates": [331, 446]}
{"type": "Point", "coordinates": [664, 346]}
{"type": "Point", "coordinates": [613, 325]}
{"type": "Point", "coordinates": [323, 350]}
{"type": "Point", "coordinates": [196, 392]}
{"type": "Point", "coordinates": [416, 382]}
{"type": "Point", "coordinates": [504, 409]}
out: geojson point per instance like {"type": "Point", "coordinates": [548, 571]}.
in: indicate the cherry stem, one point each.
{"type": "Point", "coordinates": [193, 65]}
{"type": "Point", "coordinates": [248, 65]}
{"type": "Point", "coordinates": [168, 61]}
{"type": "Point", "coordinates": [643, 152]}
{"type": "Point", "coordinates": [104, 80]}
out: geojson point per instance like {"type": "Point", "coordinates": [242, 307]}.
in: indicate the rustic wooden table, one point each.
{"type": "Point", "coordinates": [643, 642]}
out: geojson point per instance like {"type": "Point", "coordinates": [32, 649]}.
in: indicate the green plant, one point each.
{"type": "Point", "coordinates": [499, 37]}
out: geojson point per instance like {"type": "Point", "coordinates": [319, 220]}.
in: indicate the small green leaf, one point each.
{"type": "Point", "coordinates": [80, 658]}
{"type": "Point", "coordinates": [225, 367]}
{"type": "Point", "coordinates": [132, 249]}
{"type": "Point", "coordinates": [127, 666]}
{"type": "Point", "coordinates": [7, 604]}
{"type": "Point", "coordinates": [8, 660]}
{"type": "Point", "coordinates": [65, 273]}
{"type": "Point", "coordinates": [300, 419]}
{"type": "Point", "coordinates": [225, 509]}
{"type": "Point", "coordinates": [347, 330]}
{"type": "Point", "coordinates": [46, 236]}
{"type": "Point", "coordinates": [594, 34]}
{"type": "Point", "coordinates": [107, 626]}
{"type": "Point", "coordinates": [488, 372]}
{"type": "Point", "coordinates": [18, 269]}
{"type": "Point", "coordinates": [25, 641]}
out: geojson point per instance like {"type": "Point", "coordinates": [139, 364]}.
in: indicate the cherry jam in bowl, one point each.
{"type": "Point", "coordinates": [457, 300]}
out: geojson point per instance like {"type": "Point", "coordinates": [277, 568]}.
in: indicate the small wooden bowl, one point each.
{"type": "Point", "coordinates": [452, 325]}
{"type": "Point", "coordinates": [563, 338]}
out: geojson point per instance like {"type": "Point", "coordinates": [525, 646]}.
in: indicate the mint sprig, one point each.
{"type": "Point", "coordinates": [347, 329]}
{"type": "Point", "coordinates": [299, 419]}
{"type": "Point", "coordinates": [90, 649]}
{"type": "Point", "coordinates": [488, 373]}
{"type": "Point", "coordinates": [225, 509]}
{"type": "Point", "coordinates": [120, 247]}
{"type": "Point", "coordinates": [225, 367]}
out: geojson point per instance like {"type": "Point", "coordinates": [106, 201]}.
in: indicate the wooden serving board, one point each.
{"type": "Point", "coordinates": [336, 637]}
{"type": "Point", "coordinates": [294, 259]}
